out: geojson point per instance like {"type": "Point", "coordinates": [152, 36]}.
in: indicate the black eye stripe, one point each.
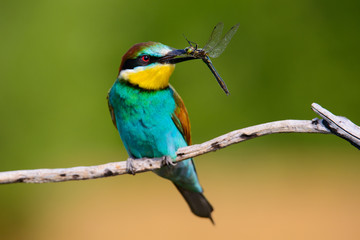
{"type": "Point", "coordinates": [132, 63]}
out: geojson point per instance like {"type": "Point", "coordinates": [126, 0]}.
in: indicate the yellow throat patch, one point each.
{"type": "Point", "coordinates": [150, 77]}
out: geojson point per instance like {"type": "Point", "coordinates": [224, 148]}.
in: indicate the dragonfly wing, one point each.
{"type": "Point", "coordinates": [220, 47]}
{"type": "Point", "coordinates": [214, 37]}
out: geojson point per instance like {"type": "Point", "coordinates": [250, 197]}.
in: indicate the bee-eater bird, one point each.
{"type": "Point", "coordinates": [152, 119]}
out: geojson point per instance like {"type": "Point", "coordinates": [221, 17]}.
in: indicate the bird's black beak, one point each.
{"type": "Point", "coordinates": [176, 56]}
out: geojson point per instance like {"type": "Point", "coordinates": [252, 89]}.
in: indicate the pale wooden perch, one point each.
{"type": "Point", "coordinates": [330, 124]}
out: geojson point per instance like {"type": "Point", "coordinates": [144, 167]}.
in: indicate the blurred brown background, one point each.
{"type": "Point", "coordinates": [59, 58]}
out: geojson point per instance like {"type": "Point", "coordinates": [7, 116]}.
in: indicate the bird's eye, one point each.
{"type": "Point", "coordinates": [145, 58]}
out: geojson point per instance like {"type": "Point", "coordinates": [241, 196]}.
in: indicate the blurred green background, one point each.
{"type": "Point", "coordinates": [59, 58]}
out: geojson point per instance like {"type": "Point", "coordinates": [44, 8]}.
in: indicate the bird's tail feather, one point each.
{"type": "Point", "coordinates": [197, 202]}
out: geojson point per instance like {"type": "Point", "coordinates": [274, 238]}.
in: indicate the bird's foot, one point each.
{"type": "Point", "coordinates": [130, 166]}
{"type": "Point", "coordinates": [167, 160]}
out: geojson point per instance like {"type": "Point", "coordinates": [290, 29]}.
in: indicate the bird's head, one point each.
{"type": "Point", "coordinates": [149, 65]}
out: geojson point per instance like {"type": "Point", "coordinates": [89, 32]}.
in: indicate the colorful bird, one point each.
{"type": "Point", "coordinates": [152, 119]}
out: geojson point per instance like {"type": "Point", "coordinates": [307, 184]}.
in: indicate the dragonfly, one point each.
{"type": "Point", "coordinates": [213, 48]}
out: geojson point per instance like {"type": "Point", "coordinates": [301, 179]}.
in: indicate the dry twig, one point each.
{"type": "Point", "coordinates": [330, 124]}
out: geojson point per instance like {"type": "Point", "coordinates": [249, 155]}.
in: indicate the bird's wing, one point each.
{"type": "Point", "coordinates": [180, 117]}
{"type": "Point", "coordinates": [111, 109]}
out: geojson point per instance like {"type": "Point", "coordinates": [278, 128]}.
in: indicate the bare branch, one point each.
{"type": "Point", "coordinates": [338, 125]}
{"type": "Point", "coordinates": [330, 124]}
